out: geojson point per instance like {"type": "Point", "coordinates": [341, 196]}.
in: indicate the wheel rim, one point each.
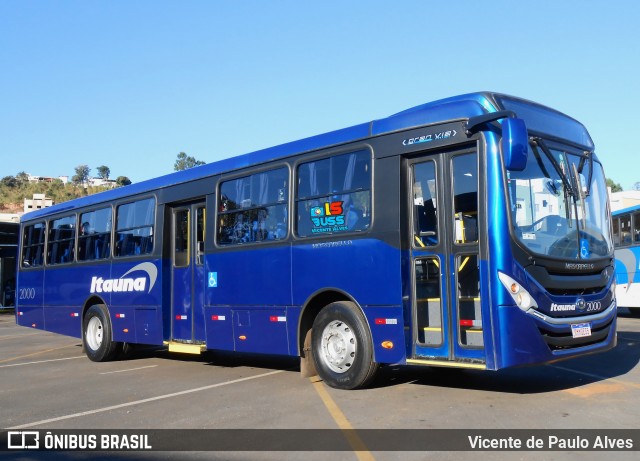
{"type": "Point", "coordinates": [338, 346]}
{"type": "Point", "coordinates": [94, 333]}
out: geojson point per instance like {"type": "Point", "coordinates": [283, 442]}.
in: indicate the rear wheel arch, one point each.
{"type": "Point", "coordinates": [342, 346]}
{"type": "Point", "coordinates": [97, 332]}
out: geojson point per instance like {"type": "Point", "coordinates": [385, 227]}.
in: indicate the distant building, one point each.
{"type": "Point", "coordinates": [37, 202]}
{"type": "Point", "coordinates": [10, 217]}
{"type": "Point", "coordinates": [64, 179]}
{"type": "Point", "coordinates": [91, 182]}
{"type": "Point", "coordinates": [624, 199]}
{"type": "Point", "coordinates": [99, 182]}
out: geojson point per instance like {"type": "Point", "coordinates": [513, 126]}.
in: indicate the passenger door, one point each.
{"type": "Point", "coordinates": [444, 204]}
{"type": "Point", "coordinates": [187, 273]}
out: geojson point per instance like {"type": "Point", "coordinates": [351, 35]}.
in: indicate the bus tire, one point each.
{"type": "Point", "coordinates": [97, 335]}
{"type": "Point", "coordinates": [342, 347]}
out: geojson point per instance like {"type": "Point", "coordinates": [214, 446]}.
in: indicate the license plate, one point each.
{"type": "Point", "coordinates": [581, 330]}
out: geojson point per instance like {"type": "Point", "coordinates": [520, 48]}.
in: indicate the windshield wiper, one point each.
{"type": "Point", "coordinates": [565, 180]}
{"type": "Point", "coordinates": [568, 189]}
{"type": "Point", "coordinates": [588, 156]}
{"type": "Point", "coordinates": [581, 195]}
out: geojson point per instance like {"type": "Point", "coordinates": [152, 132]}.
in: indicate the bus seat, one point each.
{"type": "Point", "coordinates": [97, 252]}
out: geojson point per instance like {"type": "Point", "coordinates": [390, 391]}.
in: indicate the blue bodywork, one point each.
{"type": "Point", "coordinates": [254, 299]}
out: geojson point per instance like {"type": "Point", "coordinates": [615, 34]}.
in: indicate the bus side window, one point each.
{"type": "Point", "coordinates": [254, 208]}
{"type": "Point", "coordinates": [636, 227]}
{"type": "Point", "coordinates": [334, 195]}
{"type": "Point", "coordinates": [625, 230]}
{"type": "Point", "coordinates": [95, 235]}
{"type": "Point", "coordinates": [134, 228]}
{"type": "Point", "coordinates": [60, 248]}
{"type": "Point", "coordinates": [33, 245]}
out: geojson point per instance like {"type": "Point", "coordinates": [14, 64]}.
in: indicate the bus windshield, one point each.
{"type": "Point", "coordinates": [559, 204]}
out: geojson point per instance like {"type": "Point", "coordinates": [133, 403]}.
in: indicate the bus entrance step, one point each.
{"type": "Point", "coordinates": [183, 348]}
{"type": "Point", "coordinates": [446, 363]}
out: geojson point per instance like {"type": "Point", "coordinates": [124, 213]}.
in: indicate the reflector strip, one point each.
{"type": "Point", "coordinates": [276, 318]}
{"type": "Point", "coordinates": [470, 323]}
{"type": "Point", "coordinates": [386, 321]}
{"type": "Point", "coordinates": [119, 316]}
{"type": "Point", "coordinates": [181, 317]}
{"type": "Point", "coordinates": [218, 317]}
{"type": "Point", "coordinates": [20, 313]}
{"type": "Point", "coordinates": [75, 314]}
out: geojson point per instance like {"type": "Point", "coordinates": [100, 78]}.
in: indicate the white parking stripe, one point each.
{"type": "Point", "coordinates": [130, 369]}
{"type": "Point", "coordinates": [138, 402]}
{"type": "Point", "coordinates": [41, 361]}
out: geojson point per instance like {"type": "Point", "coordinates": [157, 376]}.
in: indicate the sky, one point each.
{"type": "Point", "coordinates": [132, 83]}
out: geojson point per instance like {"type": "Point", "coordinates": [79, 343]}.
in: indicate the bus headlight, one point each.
{"type": "Point", "coordinates": [521, 296]}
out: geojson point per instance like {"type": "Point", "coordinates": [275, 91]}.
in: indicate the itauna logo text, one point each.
{"type": "Point", "coordinates": [126, 284]}
{"type": "Point", "coordinates": [328, 217]}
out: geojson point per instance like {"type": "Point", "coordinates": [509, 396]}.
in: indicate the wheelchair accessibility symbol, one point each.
{"type": "Point", "coordinates": [213, 279]}
{"type": "Point", "coordinates": [584, 248]}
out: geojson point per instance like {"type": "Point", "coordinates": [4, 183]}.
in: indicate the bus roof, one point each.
{"type": "Point", "coordinates": [453, 108]}
{"type": "Point", "coordinates": [630, 209]}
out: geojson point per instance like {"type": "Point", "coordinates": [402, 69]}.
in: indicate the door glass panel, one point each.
{"type": "Point", "coordinates": [425, 222]}
{"type": "Point", "coordinates": [465, 198]}
{"type": "Point", "coordinates": [181, 239]}
{"type": "Point", "coordinates": [428, 301]}
{"type": "Point", "coordinates": [469, 313]}
{"type": "Point", "coordinates": [200, 234]}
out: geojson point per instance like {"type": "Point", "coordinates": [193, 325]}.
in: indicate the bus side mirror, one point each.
{"type": "Point", "coordinates": [515, 144]}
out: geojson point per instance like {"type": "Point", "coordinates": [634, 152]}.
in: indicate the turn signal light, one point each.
{"type": "Point", "coordinates": [387, 344]}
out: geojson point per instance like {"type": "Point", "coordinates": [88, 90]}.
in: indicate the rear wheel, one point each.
{"type": "Point", "coordinates": [97, 335]}
{"type": "Point", "coordinates": [342, 346]}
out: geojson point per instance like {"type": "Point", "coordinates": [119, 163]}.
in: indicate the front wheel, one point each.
{"type": "Point", "coordinates": [342, 346]}
{"type": "Point", "coordinates": [97, 335]}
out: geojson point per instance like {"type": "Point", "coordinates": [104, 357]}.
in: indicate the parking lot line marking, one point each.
{"type": "Point", "coordinates": [130, 369]}
{"type": "Point", "coordinates": [599, 377]}
{"type": "Point", "coordinates": [139, 402]}
{"type": "Point", "coordinates": [360, 449]}
{"type": "Point", "coordinates": [41, 361]}
{"type": "Point", "coordinates": [36, 353]}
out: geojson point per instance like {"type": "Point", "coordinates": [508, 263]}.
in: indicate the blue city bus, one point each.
{"type": "Point", "coordinates": [626, 241]}
{"type": "Point", "coordinates": [470, 232]}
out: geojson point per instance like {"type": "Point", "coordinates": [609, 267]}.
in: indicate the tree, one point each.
{"type": "Point", "coordinates": [185, 162]}
{"type": "Point", "coordinates": [123, 181]}
{"type": "Point", "coordinates": [103, 172]}
{"type": "Point", "coordinates": [9, 181]}
{"type": "Point", "coordinates": [82, 174]}
{"type": "Point", "coordinates": [22, 178]}
{"type": "Point", "coordinates": [615, 187]}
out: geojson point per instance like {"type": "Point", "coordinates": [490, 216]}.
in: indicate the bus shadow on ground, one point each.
{"type": "Point", "coordinates": [221, 359]}
{"type": "Point", "coordinates": [537, 379]}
